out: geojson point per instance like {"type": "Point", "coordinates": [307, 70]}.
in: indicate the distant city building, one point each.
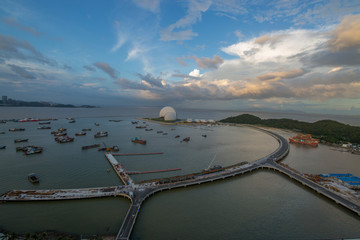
{"type": "Point", "coordinates": [4, 99]}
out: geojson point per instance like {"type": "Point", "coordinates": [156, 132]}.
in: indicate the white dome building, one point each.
{"type": "Point", "coordinates": [168, 113]}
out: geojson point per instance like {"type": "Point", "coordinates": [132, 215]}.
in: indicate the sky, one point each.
{"type": "Point", "coordinates": [279, 55]}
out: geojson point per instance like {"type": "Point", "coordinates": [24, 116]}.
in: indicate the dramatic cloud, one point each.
{"type": "Point", "coordinates": [151, 5]}
{"type": "Point", "coordinates": [195, 9]}
{"type": "Point", "coordinates": [347, 34]}
{"type": "Point", "coordinates": [11, 48]}
{"type": "Point", "coordinates": [14, 23]}
{"type": "Point", "coordinates": [121, 35]}
{"type": "Point", "coordinates": [90, 68]}
{"type": "Point", "coordinates": [205, 62]}
{"type": "Point", "coordinates": [21, 71]}
{"type": "Point", "coordinates": [275, 76]}
{"type": "Point", "coordinates": [151, 81]}
{"type": "Point", "coordinates": [106, 68]}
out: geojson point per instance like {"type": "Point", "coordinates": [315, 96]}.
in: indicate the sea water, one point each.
{"type": "Point", "coordinates": [261, 205]}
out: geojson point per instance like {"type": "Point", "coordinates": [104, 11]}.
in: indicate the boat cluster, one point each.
{"type": "Point", "coordinates": [29, 150]}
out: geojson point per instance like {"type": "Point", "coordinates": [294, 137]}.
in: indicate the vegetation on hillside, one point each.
{"type": "Point", "coordinates": [327, 130]}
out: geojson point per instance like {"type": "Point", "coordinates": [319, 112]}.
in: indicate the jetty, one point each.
{"type": "Point", "coordinates": [139, 192]}
{"type": "Point", "coordinates": [152, 171]}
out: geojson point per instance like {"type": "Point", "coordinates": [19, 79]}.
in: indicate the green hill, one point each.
{"type": "Point", "coordinates": [327, 130]}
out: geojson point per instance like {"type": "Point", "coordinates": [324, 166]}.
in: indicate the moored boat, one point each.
{"type": "Point", "coordinates": [136, 140]}
{"type": "Point", "coordinates": [186, 139]}
{"type": "Point", "coordinates": [2, 147]}
{"type": "Point", "coordinates": [33, 178]}
{"type": "Point", "coordinates": [304, 139]}
{"type": "Point", "coordinates": [21, 140]}
{"type": "Point", "coordinates": [64, 139]}
{"type": "Point", "coordinates": [16, 129]}
{"type": "Point", "coordinates": [86, 129]}
{"type": "Point", "coordinates": [80, 134]}
{"type": "Point", "coordinates": [101, 134]}
{"type": "Point", "coordinates": [43, 127]}
{"type": "Point", "coordinates": [44, 123]}
{"type": "Point", "coordinates": [29, 150]}
{"type": "Point", "coordinates": [90, 146]}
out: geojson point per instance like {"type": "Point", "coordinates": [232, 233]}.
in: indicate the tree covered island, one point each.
{"type": "Point", "coordinates": [326, 130]}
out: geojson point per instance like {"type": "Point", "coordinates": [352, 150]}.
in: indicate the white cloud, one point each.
{"type": "Point", "coordinates": [195, 73]}
{"type": "Point", "coordinates": [277, 46]}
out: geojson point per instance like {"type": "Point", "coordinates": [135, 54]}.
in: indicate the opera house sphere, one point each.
{"type": "Point", "coordinates": [168, 113]}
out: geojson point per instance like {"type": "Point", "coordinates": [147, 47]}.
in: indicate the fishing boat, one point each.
{"type": "Point", "coordinates": [204, 135]}
{"type": "Point", "coordinates": [96, 124]}
{"type": "Point", "coordinates": [90, 146]}
{"type": "Point", "coordinates": [64, 139]}
{"type": "Point", "coordinates": [33, 178]}
{"type": "Point", "coordinates": [86, 129]}
{"type": "Point", "coordinates": [101, 134]}
{"type": "Point", "coordinates": [186, 139]}
{"type": "Point", "coordinates": [44, 122]}
{"type": "Point", "coordinates": [16, 129]}
{"type": "Point", "coordinates": [59, 134]}
{"type": "Point", "coordinates": [304, 139]}
{"type": "Point", "coordinates": [29, 150]}
{"type": "Point", "coordinates": [43, 127]}
{"type": "Point", "coordinates": [136, 140]}
{"type": "Point", "coordinates": [2, 147]}
{"type": "Point", "coordinates": [177, 136]}
{"type": "Point", "coordinates": [80, 134]}
{"type": "Point", "coordinates": [72, 121]}
{"type": "Point", "coordinates": [21, 140]}
{"type": "Point", "coordinates": [140, 127]}
{"type": "Point", "coordinates": [2, 132]}
{"type": "Point", "coordinates": [148, 129]}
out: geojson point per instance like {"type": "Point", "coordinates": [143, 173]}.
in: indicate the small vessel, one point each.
{"type": "Point", "coordinates": [186, 139]}
{"type": "Point", "coordinates": [115, 120]}
{"type": "Point", "coordinates": [60, 134]}
{"type": "Point", "coordinates": [90, 146]}
{"type": "Point", "coordinates": [109, 149]}
{"type": "Point", "coordinates": [86, 129]}
{"type": "Point", "coordinates": [96, 124]}
{"type": "Point", "coordinates": [148, 129]}
{"type": "Point", "coordinates": [80, 134]}
{"type": "Point", "coordinates": [101, 134]}
{"type": "Point", "coordinates": [177, 136]}
{"type": "Point", "coordinates": [33, 178]}
{"type": "Point", "coordinates": [72, 121]}
{"type": "Point", "coordinates": [43, 127]}
{"type": "Point", "coordinates": [21, 140]}
{"type": "Point", "coordinates": [29, 120]}
{"type": "Point", "coordinates": [2, 147]}
{"type": "Point", "coordinates": [136, 140]}
{"type": "Point", "coordinates": [64, 139]}
{"type": "Point", "coordinates": [204, 135]}
{"type": "Point", "coordinates": [29, 150]}
{"type": "Point", "coordinates": [134, 122]}
{"type": "Point", "coordinates": [304, 139]}
{"type": "Point", "coordinates": [165, 133]}
{"type": "Point", "coordinates": [2, 121]}
{"type": "Point", "coordinates": [16, 129]}
{"type": "Point", "coordinates": [44, 122]}
{"type": "Point", "coordinates": [2, 132]}
{"type": "Point", "coordinates": [140, 127]}
{"type": "Point", "coordinates": [159, 132]}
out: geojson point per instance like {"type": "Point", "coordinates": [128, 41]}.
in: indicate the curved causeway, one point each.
{"type": "Point", "coordinates": [137, 193]}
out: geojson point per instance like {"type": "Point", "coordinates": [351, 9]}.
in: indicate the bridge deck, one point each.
{"type": "Point", "coordinates": [63, 194]}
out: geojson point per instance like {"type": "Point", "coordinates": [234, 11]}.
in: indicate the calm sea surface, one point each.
{"type": "Point", "coordinates": [261, 205]}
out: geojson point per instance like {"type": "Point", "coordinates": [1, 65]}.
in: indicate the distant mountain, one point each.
{"type": "Point", "coordinates": [327, 130]}
{"type": "Point", "coordinates": [19, 103]}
